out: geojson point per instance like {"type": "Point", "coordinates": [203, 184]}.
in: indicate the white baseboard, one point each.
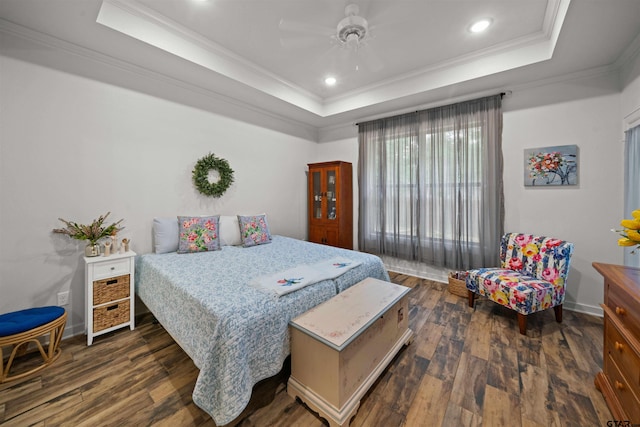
{"type": "Point", "coordinates": [72, 330]}
{"type": "Point", "coordinates": [425, 271]}
{"type": "Point", "coordinates": [583, 308]}
{"type": "Point", "coordinates": [416, 269]}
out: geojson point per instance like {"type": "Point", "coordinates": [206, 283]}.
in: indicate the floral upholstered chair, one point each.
{"type": "Point", "coordinates": [531, 277]}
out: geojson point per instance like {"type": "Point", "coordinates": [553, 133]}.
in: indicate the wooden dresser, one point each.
{"type": "Point", "coordinates": [619, 380]}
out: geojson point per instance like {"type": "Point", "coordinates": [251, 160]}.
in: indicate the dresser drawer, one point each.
{"type": "Point", "coordinates": [624, 308]}
{"type": "Point", "coordinates": [619, 380]}
{"type": "Point", "coordinates": [111, 268]}
{"type": "Point", "coordinates": [623, 354]}
{"type": "Point", "coordinates": [111, 289]}
{"type": "Point", "coordinates": [622, 390]}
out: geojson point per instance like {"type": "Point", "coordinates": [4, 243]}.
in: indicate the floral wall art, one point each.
{"type": "Point", "coordinates": [551, 166]}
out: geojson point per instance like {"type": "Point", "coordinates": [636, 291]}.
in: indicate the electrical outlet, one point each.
{"type": "Point", "coordinates": [63, 298]}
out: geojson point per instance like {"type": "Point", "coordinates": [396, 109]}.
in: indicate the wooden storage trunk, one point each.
{"type": "Point", "coordinates": [339, 348]}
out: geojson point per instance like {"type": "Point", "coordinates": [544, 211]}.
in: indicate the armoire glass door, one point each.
{"type": "Point", "coordinates": [331, 194]}
{"type": "Point", "coordinates": [317, 195]}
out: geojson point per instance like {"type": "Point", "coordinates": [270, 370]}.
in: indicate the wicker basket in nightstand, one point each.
{"type": "Point", "coordinates": [110, 289]}
{"type": "Point", "coordinates": [108, 316]}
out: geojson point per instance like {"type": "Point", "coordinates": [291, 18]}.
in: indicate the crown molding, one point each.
{"type": "Point", "coordinates": [611, 70]}
{"type": "Point", "coordinates": [45, 40]}
{"type": "Point", "coordinates": [431, 80]}
{"type": "Point", "coordinates": [632, 119]}
{"type": "Point", "coordinates": [137, 21]}
{"type": "Point", "coordinates": [555, 14]}
{"type": "Point", "coordinates": [630, 53]}
{"type": "Point", "coordinates": [523, 51]}
{"type": "Point", "coordinates": [346, 130]}
{"type": "Point", "coordinates": [141, 23]}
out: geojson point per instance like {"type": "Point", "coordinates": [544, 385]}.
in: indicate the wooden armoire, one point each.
{"type": "Point", "coordinates": [330, 204]}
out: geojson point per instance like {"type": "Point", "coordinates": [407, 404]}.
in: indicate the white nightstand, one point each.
{"type": "Point", "coordinates": [109, 296]}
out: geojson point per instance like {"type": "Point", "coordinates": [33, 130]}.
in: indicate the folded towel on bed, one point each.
{"type": "Point", "coordinates": [295, 278]}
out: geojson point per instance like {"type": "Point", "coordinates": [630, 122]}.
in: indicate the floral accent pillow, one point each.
{"type": "Point", "coordinates": [198, 234]}
{"type": "Point", "coordinates": [254, 230]}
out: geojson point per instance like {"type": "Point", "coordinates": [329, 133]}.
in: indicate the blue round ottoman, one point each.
{"type": "Point", "coordinates": [20, 328]}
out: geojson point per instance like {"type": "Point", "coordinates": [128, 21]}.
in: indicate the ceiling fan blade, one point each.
{"type": "Point", "coordinates": [302, 42]}
{"type": "Point", "coordinates": [366, 9]}
{"type": "Point", "coordinates": [370, 59]}
{"type": "Point", "coordinates": [330, 59]}
{"type": "Point", "coordinates": [384, 13]}
{"type": "Point", "coordinates": [306, 28]}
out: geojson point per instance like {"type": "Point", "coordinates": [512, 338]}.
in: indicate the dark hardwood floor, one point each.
{"type": "Point", "coordinates": [464, 368]}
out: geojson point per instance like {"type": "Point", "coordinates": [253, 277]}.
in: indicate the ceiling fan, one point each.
{"type": "Point", "coordinates": [351, 35]}
{"type": "Point", "coordinates": [353, 29]}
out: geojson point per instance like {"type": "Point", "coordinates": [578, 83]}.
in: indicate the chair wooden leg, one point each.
{"type": "Point", "coordinates": [558, 310]}
{"type": "Point", "coordinates": [522, 323]}
{"type": "Point", "coordinates": [21, 341]}
{"type": "Point", "coordinates": [472, 298]}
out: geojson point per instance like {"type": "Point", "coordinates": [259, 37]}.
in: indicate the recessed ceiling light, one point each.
{"type": "Point", "coordinates": [480, 26]}
{"type": "Point", "coordinates": [330, 81]}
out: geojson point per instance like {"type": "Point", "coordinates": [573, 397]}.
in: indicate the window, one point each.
{"type": "Point", "coordinates": [425, 180]}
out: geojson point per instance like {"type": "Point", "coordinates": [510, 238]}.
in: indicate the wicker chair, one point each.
{"type": "Point", "coordinates": [531, 277]}
{"type": "Point", "coordinates": [19, 328]}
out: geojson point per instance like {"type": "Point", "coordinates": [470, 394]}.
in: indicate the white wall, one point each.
{"type": "Point", "coordinates": [76, 148]}
{"type": "Point", "coordinates": [582, 214]}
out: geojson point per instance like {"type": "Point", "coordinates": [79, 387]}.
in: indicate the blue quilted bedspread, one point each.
{"type": "Point", "coordinates": [236, 334]}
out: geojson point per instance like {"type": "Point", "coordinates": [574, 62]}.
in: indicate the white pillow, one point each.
{"type": "Point", "coordinates": [165, 235]}
{"type": "Point", "coordinates": [229, 231]}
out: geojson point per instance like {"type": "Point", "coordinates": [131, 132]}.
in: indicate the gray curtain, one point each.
{"type": "Point", "coordinates": [431, 185]}
{"type": "Point", "coordinates": [632, 185]}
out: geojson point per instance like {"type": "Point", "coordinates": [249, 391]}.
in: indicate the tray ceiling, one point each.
{"type": "Point", "coordinates": [418, 50]}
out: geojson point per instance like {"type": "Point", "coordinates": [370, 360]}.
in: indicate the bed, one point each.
{"type": "Point", "coordinates": [235, 333]}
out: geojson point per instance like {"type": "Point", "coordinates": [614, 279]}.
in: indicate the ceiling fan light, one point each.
{"type": "Point", "coordinates": [352, 41]}
{"type": "Point", "coordinates": [480, 26]}
{"type": "Point", "coordinates": [352, 30]}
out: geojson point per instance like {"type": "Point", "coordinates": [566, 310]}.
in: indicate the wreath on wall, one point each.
{"type": "Point", "coordinates": [201, 175]}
